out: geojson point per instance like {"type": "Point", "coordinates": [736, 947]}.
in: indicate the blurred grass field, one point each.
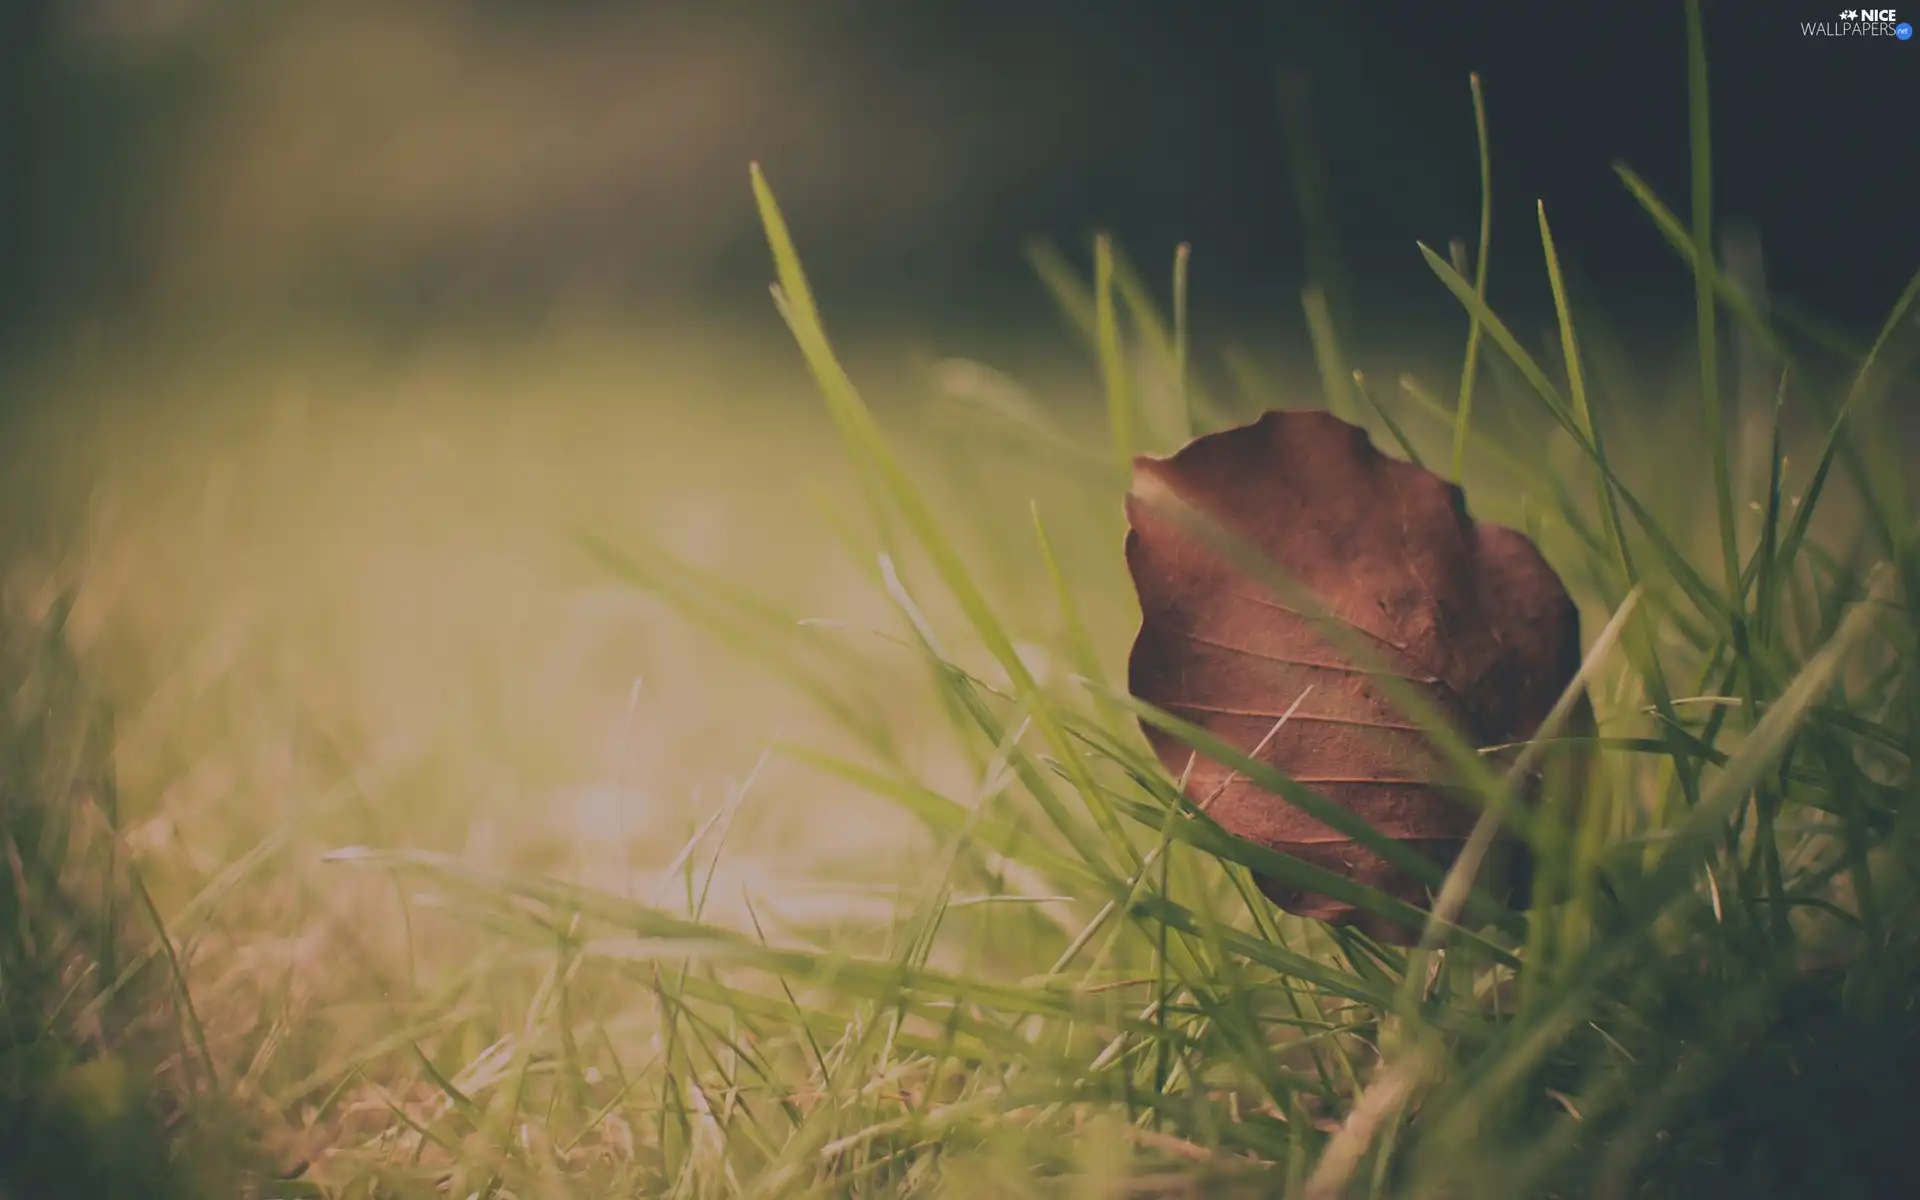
{"type": "Point", "coordinates": [331, 598]}
{"type": "Point", "coordinates": [586, 763]}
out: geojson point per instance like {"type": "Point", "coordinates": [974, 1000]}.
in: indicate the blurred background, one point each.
{"type": "Point", "coordinates": [401, 166]}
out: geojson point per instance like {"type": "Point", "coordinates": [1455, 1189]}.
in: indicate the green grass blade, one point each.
{"type": "Point", "coordinates": [1398, 434]}
{"type": "Point", "coordinates": [1469, 369]}
{"type": "Point", "coordinates": [1113, 366]}
{"type": "Point", "coordinates": [1700, 157]}
{"type": "Point", "coordinates": [1335, 377]}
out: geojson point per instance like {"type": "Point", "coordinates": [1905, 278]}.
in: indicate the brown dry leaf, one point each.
{"type": "Point", "coordinates": [1468, 612]}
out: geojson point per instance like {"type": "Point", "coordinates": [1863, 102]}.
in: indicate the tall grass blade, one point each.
{"type": "Point", "coordinates": [1469, 369]}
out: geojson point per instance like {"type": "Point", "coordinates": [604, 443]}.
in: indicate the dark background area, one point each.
{"type": "Point", "coordinates": [1158, 120]}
